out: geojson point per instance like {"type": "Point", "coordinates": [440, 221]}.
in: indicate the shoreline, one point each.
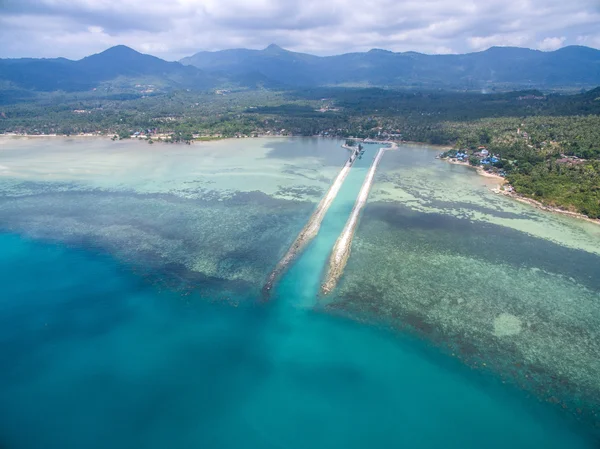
{"type": "Point", "coordinates": [480, 171]}
{"type": "Point", "coordinates": [158, 138]}
{"type": "Point", "coordinates": [393, 145]}
{"type": "Point", "coordinates": [423, 144]}
{"type": "Point", "coordinates": [64, 136]}
{"type": "Point", "coordinates": [539, 205]}
{"type": "Point", "coordinates": [521, 198]}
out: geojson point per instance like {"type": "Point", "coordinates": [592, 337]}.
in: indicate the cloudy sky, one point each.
{"type": "Point", "coordinates": [175, 28]}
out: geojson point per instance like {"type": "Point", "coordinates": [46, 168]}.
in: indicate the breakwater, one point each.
{"type": "Point", "coordinates": [310, 230]}
{"type": "Point", "coordinates": [341, 250]}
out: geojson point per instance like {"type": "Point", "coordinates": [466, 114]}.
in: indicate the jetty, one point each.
{"type": "Point", "coordinates": [311, 229]}
{"type": "Point", "coordinates": [341, 250]}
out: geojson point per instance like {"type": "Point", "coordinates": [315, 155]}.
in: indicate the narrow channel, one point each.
{"type": "Point", "coordinates": [303, 279]}
{"type": "Point", "coordinates": [311, 229]}
{"type": "Point", "coordinates": [341, 250]}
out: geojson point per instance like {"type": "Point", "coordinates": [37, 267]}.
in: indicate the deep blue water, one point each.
{"type": "Point", "coordinates": [93, 356]}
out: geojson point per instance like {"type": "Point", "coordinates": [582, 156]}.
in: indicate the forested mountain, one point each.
{"type": "Point", "coordinates": [117, 63]}
{"type": "Point", "coordinates": [497, 67]}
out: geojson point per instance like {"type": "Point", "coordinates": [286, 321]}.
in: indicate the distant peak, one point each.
{"type": "Point", "coordinates": [507, 49]}
{"type": "Point", "coordinates": [579, 49]}
{"type": "Point", "coordinates": [274, 47]}
{"type": "Point", "coordinates": [119, 51]}
{"type": "Point", "coordinates": [379, 50]}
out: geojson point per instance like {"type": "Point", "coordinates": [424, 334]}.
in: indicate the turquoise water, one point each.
{"type": "Point", "coordinates": [498, 284]}
{"type": "Point", "coordinates": [211, 216]}
{"type": "Point", "coordinates": [95, 356]}
{"type": "Point", "coordinates": [304, 278]}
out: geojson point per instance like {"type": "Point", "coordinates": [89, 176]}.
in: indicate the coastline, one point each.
{"type": "Point", "coordinates": [157, 138]}
{"type": "Point", "coordinates": [539, 205]}
{"type": "Point", "coordinates": [520, 198]}
{"type": "Point", "coordinates": [479, 170]}
{"type": "Point", "coordinates": [393, 145]}
{"type": "Point", "coordinates": [64, 136]}
{"type": "Point", "coordinates": [423, 144]}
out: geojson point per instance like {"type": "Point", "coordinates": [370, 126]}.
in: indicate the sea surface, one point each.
{"type": "Point", "coordinates": [500, 285]}
{"type": "Point", "coordinates": [131, 313]}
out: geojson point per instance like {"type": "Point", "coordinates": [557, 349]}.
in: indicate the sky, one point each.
{"type": "Point", "coordinates": [172, 29]}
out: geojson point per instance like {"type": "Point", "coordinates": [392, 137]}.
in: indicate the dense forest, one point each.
{"type": "Point", "coordinates": [548, 145]}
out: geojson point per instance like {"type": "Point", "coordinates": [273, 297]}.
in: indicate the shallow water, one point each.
{"type": "Point", "coordinates": [305, 276]}
{"type": "Point", "coordinates": [296, 168]}
{"type": "Point", "coordinates": [413, 177]}
{"type": "Point", "coordinates": [500, 285]}
{"type": "Point", "coordinates": [212, 214]}
{"type": "Point", "coordinates": [97, 353]}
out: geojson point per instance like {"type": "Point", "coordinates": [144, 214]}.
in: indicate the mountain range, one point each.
{"type": "Point", "coordinates": [498, 66]}
{"type": "Point", "coordinates": [501, 68]}
{"type": "Point", "coordinates": [119, 64]}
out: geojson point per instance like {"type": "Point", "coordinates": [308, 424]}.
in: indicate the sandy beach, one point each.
{"type": "Point", "coordinates": [542, 206]}
{"type": "Point", "coordinates": [522, 199]}
{"type": "Point", "coordinates": [429, 145]}
{"type": "Point", "coordinates": [479, 170]}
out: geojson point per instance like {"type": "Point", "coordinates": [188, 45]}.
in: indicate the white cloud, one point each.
{"type": "Point", "coordinates": [589, 40]}
{"type": "Point", "coordinates": [172, 29]}
{"type": "Point", "coordinates": [551, 43]}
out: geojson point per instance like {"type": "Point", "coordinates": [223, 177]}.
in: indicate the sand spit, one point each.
{"type": "Point", "coordinates": [311, 228]}
{"type": "Point", "coordinates": [341, 250]}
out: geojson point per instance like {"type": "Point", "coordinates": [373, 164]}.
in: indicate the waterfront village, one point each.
{"type": "Point", "coordinates": [480, 157]}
